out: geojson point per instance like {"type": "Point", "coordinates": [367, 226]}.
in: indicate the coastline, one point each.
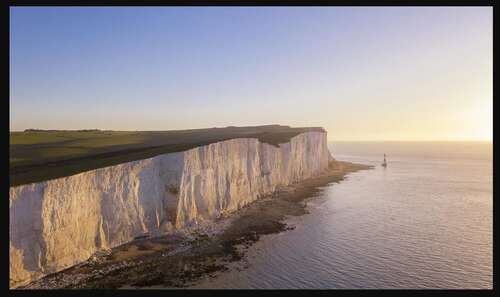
{"type": "Point", "coordinates": [179, 260]}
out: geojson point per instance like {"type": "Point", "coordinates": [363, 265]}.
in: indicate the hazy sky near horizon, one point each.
{"type": "Point", "coordinates": [363, 73]}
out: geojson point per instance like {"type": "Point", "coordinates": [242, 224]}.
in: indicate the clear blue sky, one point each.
{"type": "Point", "coordinates": [362, 73]}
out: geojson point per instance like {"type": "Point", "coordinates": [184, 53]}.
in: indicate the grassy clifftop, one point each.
{"type": "Point", "coordinates": [38, 155]}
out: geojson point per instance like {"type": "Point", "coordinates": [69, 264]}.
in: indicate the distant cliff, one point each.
{"type": "Point", "coordinates": [57, 223]}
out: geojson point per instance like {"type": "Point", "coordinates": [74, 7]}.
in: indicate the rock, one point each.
{"type": "Point", "coordinates": [58, 223]}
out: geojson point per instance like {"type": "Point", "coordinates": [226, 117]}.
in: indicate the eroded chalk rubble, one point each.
{"type": "Point", "coordinates": [58, 223]}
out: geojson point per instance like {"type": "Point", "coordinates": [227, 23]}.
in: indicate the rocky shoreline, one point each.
{"type": "Point", "coordinates": [181, 259]}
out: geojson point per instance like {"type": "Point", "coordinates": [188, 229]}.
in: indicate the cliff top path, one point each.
{"type": "Point", "coordinates": [39, 155]}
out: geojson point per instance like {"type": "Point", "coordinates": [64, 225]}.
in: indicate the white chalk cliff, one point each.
{"type": "Point", "coordinates": [58, 223]}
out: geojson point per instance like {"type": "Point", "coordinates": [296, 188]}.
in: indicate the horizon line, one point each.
{"type": "Point", "coordinates": [328, 140]}
{"type": "Point", "coordinates": [416, 140]}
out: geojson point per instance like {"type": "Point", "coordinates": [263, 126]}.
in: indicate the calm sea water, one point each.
{"type": "Point", "coordinates": [423, 222]}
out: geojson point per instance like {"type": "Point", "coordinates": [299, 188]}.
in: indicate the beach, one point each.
{"type": "Point", "coordinates": [179, 260]}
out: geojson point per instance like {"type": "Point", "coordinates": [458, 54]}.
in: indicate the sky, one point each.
{"type": "Point", "coordinates": [362, 73]}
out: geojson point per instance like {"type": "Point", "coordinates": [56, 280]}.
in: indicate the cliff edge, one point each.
{"type": "Point", "coordinates": [57, 223]}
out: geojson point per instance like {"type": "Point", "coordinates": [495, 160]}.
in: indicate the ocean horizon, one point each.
{"type": "Point", "coordinates": [424, 222]}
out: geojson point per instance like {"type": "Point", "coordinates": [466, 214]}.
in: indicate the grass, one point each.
{"type": "Point", "coordinates": [37, 156]}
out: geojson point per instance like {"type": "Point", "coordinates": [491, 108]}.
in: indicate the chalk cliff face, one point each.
{"type": "Point", "coordinates": [58, 223]}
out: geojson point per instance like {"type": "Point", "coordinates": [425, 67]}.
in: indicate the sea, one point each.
{"type": "Point", "coordinates": [423, 222]}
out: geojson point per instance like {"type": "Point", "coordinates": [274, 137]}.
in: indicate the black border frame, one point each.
{"type": "Point", "coordinates": [397, 292]}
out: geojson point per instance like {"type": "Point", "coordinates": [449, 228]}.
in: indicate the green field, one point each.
{"type": "Point", "coordinates": [42, 155]}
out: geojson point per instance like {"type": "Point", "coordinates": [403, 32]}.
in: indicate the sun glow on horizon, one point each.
{"type": "Point", "coordinates": [379, 74]}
